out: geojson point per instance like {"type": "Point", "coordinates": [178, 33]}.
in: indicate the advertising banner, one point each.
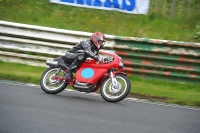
{"type": "Point", "coordinates": [127, 6]}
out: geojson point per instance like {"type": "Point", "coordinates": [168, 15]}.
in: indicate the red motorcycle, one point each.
{"type": "Point", "coordinates": [89, 77]}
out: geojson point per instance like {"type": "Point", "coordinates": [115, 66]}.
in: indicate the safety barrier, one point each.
{"type": "Point", "coordinates": [145, 57]}
{"type": "Point", "coordinates": [160, 58]}
{"type": "Point", "coordinates": [34, 44]}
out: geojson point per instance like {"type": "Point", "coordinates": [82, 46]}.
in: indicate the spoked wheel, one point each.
{"type": "Point", "coordinates": [50, 83]}
{"type": "Point", "coordinates": [117, 92]}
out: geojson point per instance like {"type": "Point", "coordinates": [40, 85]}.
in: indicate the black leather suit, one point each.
{"type": "Point", "coordinates": [78, 54]}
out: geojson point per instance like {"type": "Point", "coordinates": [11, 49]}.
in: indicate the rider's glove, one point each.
{"type": "Point", "coordinates": [97, 58]}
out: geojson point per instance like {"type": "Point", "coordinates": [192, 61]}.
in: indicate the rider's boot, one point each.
{"type": "Point", "coordinates": [68, 74]}
{"type": "Point", "coordinates": [62, 63]}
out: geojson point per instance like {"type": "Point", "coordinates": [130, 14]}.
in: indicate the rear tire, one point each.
{"type": "Point", "coordinates": [111, 94]}
{"type": "Point", "coordinates": [50, 85]}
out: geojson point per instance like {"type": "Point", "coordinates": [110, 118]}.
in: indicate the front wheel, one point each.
{"type": "Point", "coordinates": [116, 93]}
{"type": "Point", "coordinates": [50, 84]}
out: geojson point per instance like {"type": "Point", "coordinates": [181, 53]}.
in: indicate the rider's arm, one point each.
{"type": "Point", "coordinates": [87, 48]}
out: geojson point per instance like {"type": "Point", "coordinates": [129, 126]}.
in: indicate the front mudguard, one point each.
{"type": "Point", "coordinates": [114, 73]}
{"type": "Point", "coordinates": [119, 73]}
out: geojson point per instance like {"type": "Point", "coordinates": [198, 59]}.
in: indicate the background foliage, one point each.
{"type": "Point", "coordinates": [167, 19]}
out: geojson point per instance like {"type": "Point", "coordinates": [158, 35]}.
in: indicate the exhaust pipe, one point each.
{"type": "Point", "coordinates": [52, 63]}
{"type": "Point", "coordinates": [56, 64]}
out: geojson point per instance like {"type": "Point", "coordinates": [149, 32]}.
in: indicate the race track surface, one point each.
{"type": "Point", "coordinates": [27, 109]}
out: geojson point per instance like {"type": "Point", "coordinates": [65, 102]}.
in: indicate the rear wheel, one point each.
{"type": "Point", "coordinates": [50, 84]}
{"type": "Point", "coordinates": [116, 93]}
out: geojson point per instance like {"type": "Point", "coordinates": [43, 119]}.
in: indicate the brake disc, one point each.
{"type": "Point", "coordinates": [115, 89]}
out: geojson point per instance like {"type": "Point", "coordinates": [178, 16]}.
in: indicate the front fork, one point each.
{"type": "Point", "coordinates": [113, 79]}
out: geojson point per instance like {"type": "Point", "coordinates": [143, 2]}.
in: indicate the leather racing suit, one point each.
{"type": "Point", "coordinates": [78, 54]}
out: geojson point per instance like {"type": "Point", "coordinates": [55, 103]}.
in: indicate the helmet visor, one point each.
{"type": "Point", "coordinates": [101, 43]}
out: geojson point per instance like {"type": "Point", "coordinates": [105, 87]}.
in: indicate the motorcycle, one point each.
{"type": "Point", "coordinates": [89, 77]}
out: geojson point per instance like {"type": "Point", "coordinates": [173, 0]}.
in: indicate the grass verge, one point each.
{"type": "Point", "coordinates": [156, 24]}
{"type": "Point", "coordinates": [151, 89]}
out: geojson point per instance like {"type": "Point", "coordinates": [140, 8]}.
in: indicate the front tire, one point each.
{"type": "Point", "coordinates": [51, 85]}
{"type": "Point", "coordinates": [115, 94]}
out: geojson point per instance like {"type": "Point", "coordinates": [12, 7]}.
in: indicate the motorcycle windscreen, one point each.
{"type": "Point", "coordinates": [90, 75]}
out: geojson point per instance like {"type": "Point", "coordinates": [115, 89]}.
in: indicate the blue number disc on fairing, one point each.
{"type": "Point", "coordinates": [87, 73]}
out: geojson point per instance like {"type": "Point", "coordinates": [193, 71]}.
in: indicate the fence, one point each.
{"type": "Point", "coordinates": [145, 57]}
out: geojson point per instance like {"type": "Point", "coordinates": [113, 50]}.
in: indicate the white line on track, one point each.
{"type": "Point", "coordinates": [95, 94]}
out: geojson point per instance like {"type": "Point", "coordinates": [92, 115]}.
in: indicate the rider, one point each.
{"type": "Point", "coordinates": [84, 49]}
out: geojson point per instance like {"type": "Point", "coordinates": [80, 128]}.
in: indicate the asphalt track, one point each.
{"type": "Point", "coordinates": [27, 109]}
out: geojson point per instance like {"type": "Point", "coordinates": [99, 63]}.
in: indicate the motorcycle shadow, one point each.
{"type": "Point", "coordinates": [83, 98]}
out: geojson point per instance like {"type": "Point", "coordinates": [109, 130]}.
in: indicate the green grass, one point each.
{"type": "Point", "coordinates": [20, 72]}
{"type": "Point", "coordinates": [157, 24]}
{"type": "Point", "coordinates": [172, 92]}
{"type": "Point", "coordinates": [155, 90]}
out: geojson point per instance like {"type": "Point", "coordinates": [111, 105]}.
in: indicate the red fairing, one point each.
{"type": "Point", "coordinates": [89, 74]}
{"type": "Point", "coordinates": [91, 71]}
